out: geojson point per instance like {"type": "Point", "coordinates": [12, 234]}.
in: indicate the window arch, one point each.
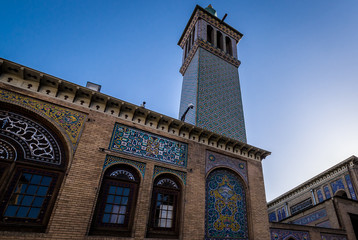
{"type": "Point", "coordinates": [116, 201]}
{"type": "Point", "coordinates": [225, 199]}
{"type": "Point", "coordinates": [210, 34]}
{"type": "Point", "coordinates": [228, 45]}
{"type": "Point", "coordinates": [341, 193]}
{"type": "Point", "coordinates": [219, 40]}
{"type": "Point", "coordinates": [164, 211]}
{"type": "Point", "coordinates": [32, 166]}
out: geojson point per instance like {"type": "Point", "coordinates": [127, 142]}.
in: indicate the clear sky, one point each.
{"type": "Point", "coordinates": [299, 71]}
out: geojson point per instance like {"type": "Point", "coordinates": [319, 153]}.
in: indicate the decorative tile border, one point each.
{"type": "Point", "coordinates": [144, 144]}
{"type": "Point", "coordinates": [311, 217]}
{"type": "Point", "coordinates": [112, 160]}
{"type": "Point", "coordinates": [282, 234]}
{"type": "Point", "coordinates": [218, 160]}
{"type": "Point", "coordinates": [159, 170]}
{"type": "Point", "coordinates": [327, 236]}
{"type": "Point", "coordinates": [327, 193]}
{"type": "Point", "coordinates": [350, 187]}
{"type": "Point", "coordinates": [70, 121]}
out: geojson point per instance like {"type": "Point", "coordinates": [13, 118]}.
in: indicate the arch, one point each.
{"type": "Point", "coordinates": [341, 193]}
{"type": "Point", "coordinates": [219, 40]}
{"type": "Point", "coordinates": [228, 45]}
{"type": "Point", "coordinates": [115, 208]}
{"type": "Point", "coordinates": [164, 218]}
{"type": "Point", "coordinates": [210, 34]}
{"type": "Point", "coordinates": [32, 166]}
{"type": "Point", "coordinates": [226, 208]}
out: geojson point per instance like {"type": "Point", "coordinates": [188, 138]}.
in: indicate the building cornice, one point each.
{"type": "Point", "coordinates": [28, 79]}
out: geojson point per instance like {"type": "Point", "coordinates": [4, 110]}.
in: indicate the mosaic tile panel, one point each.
{"type": "Point", "coordinates": [159, 170]}
{"type": "Point", "coordinates": [282, 234]}
{"type": "Point", "coordinates": [189, 90]}
{"type": "Point", "coordinates": [272, 217]}
{"type": "Point", "coordinates": [350, 187]}
{"type": "Point", "coordinates": [281, 213]}
{"type": "Point", "coordinates": [327, 193]}
{"type": "Point", "coordinates": [70, 121]}
{"type": "Point", "coordinates": [147, 145]}
{"type": "Point", "coordinates": [311, 217]}
{"type": "Point", "coordinates": [325, 224]}
{"type": "Point", "coordinates": [219, 104]}
{"type": "Point", "coordinates": [218, 160]}
{"type": "Point", "coordinates": [327, 236]}
{"type": "Point", "coordinates": [226, 214]}
{"type": "Point", "coordinates": [337, 185]}
{"type": "Point", "coordinates": [113, 160]}
{"type": "Point", "coordinates": [320, 195]}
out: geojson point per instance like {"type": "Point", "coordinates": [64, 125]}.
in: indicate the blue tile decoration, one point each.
{"type": "Point", "coordinates": [189, 90]}
{"type": "Point", "coordinates": [350, 187]}
{"type": "Point", "coordinates": [114, 159]}
{"type": "Point", "coordinates": [311, 217]}
{"type": "Point", "coordinates": [281, 213]}
{"type": "Point", "coordinates": [327, 193]}
{"type": "Point", "coordinates": [71, 122]}
{"type": "Point", "coordinates": [272, 217]}
{"type": "Point", "coordinates": [282, 234]}
{"type": "Point", "coordinates": [159, 170]}
{"type": "Point", "coordinates": [147, 145]}
{"type": "Point", "coordinates": [327, 236]}
{"type": "Point", "coordinates": [320, 195]}
{"type": "Point", "coordinates": [218, 160]}
{"type": "Point", "coordinates": [212, 85]}
{"type": "Point", "coordinates": [226, 213]}
{"type": "Point", "coordinates": [325, 224]}
{"type": "Point", "coordinates": [337, 185]}
{"type": "Point", "coordinates": [301, 206]}
{"type": "Point", "coordinates": [219, 104]}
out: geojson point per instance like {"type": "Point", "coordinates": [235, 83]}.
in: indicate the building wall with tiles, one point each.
{"type": "Point", "coordinates": [97, 143]}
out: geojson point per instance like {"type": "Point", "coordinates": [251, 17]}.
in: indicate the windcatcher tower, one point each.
{"type": "Point", "coordinates": [210, 74]}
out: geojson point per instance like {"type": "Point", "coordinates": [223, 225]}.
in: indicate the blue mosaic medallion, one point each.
{"type": "Point", "coordinates": [226, 214]}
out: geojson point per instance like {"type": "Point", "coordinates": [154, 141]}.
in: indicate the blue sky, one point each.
{"type": "Point", "coordinates": [298, 73]}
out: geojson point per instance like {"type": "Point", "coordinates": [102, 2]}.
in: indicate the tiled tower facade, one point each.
{"type": "Point", "coordinates": [210, 75]}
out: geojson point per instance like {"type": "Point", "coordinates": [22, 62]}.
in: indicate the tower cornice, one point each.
{"type": "Point", "coordinates": [201, 13]}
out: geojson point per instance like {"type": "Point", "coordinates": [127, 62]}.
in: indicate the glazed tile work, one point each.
{"type": "Point", "coordinates": [272, 217]}
{"type": "Point", "coordinates": [311, 217]}
{"type": "Point", "coordinates": [320, 195]}
{"type": "Point", "coordinates": [159, 170]}
{"type": "Point", "coordinates": [70, 121]}
{"type": "Point", "coordinates": [350, 187]}
{"type": "Point", "coordinates": [327, 236]}
{"type": "Point", "coordinates": [218, 160]}
{"type": "Point", "coordinates": [327, 193]}
{"type": "Point", "coordinates": [189, 90]}
{"type": "Point", "coordinates": [36, 142]}
{"type": "Point", "coordinates": [113, 160]}
{"type": "Point", "coordinates": [337, 185]}
{"type": "Point", "coordinates": [226, 214]}
{"type": "Point", "coordinates": [281, 213]}
{"type": "Point", "coordinates": [219, 105]}
{"type": "Point", "coordinates": [281, 234]}
{"type": "Point", "coordinates": [325, 224]}
{"type": "Point", "coordinates": [147, 145]}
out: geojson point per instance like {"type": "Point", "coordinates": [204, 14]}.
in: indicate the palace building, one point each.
{"type": "Point", "coordinates": [78, 164]}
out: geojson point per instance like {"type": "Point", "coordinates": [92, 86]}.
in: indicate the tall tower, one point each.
{"type": "Point", "coordinates": [210, 74]}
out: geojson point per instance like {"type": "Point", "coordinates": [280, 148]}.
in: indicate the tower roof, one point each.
{"type": "Point", "coordinates": [211, 10]}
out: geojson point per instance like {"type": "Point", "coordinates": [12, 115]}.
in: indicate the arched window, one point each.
{"type": "Point", "coordinates": [164, 214]}
{"type": "Point", "coordinates": [210, 34]}
{"type": "Point", "coordinates": [193, 37]}
{"type": "Point", "coordinates": [341, 193]}
{"type": "Point", "coordinates": [32, 166]}
{"type": "Point", "coordinates": [228, 45]}
{"type": "Point", "coordinates": [219, 40]}
{"type": "Point", "coordinates": [116, 202]}
{"type": "Point", "coordinates": [226, 212]}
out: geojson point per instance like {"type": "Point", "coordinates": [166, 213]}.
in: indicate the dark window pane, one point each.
{"type": "Point", "coordinates": [108, 208]}
{"type": "Point", "coordinates": [42, 191]}
{"type": "Point", "coordinates": [112, 190]}
{"type": "Point", "coordinates": [10, 211]}
{"type": "Point", "coordinates": [123, 210]}
{"type": "Point", "coordinates": [22, 212]}
{"type": "Point", "coordinates": [105, 218]}
{"type": "Point", "coordinates": [36, 179]}
{"type": "Point", "coordinates": [21, 188]}
{"type": "Point", "coordinates": [117, 200]}
{"type": "Point", "coordinates": [119, 191]}
{"type": "Point", "coordinates": [38, 202]}
{"type": "Point", "coordinates": [27, 200]}
{"type": "Point", "coordinates": [126, 192]}
{"type": "Point", "coordinates": [46, 181]}
{"type": "Point", "coordinates": [115, 209]}
{"type": "Point", "coordinates": [110, 199]}
{"type": "Point", "coordinates": [34, 212]}
{"type": "Point", "coordinates": [26, 177]}
{"type": "Point", "coordinates": [124, 200]}
{"type": "Point", "coordinates": [31, 189]}
{"type": "Point", "coordinates": [16, 199]}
